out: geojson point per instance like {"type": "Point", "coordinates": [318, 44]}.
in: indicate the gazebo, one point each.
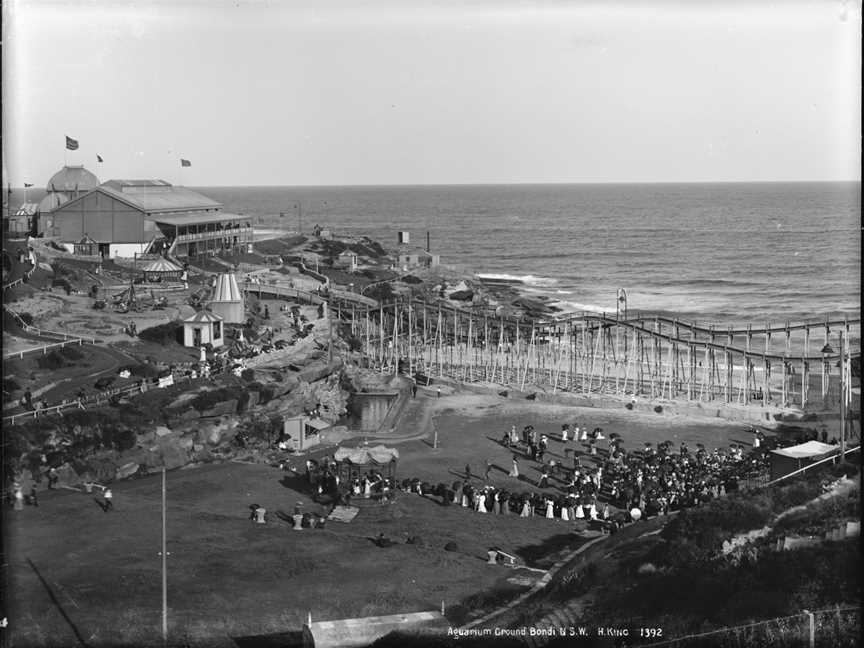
{"type": "Point", "coordinates": [162, 270]}
{"type": "Point", "coordinates": [202, 328]}
{"type": "Point", "coordinates": [353, 463]}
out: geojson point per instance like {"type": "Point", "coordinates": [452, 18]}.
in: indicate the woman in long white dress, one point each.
{"type": "Point", "coordinates": [563, 434]}
{"type": "Point", "coordinates": [526, 509]}
{"type": "Point", "coordinates": [481, 503]}
{"type": "Point", "coordinates": [580, 514]}
{"type": "Point", "coordinates": [550, 509]}
{"type": "Point", "coordinates": [564, 514]}
{"type": "Point", "coordinates": [514, 472]}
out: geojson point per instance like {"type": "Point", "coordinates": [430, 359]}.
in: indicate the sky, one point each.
{"type": "Point", "coordinates": [448, 92]}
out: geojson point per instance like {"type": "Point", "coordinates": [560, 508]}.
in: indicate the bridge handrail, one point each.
{"type": "Point", "coordinates": [312, 297]}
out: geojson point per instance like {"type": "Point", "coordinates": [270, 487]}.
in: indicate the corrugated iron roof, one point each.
{"type": "Point", "coordinates": [195, 217]}
{"type": "Point", "coordinates": [158, 196]}
{"type": "Point", "coordinates": [226, 289]}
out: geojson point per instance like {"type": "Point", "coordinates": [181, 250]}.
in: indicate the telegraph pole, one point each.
{"type": "Point", "coordinates": [842, 399]}
{"type": "Point", "coordinates": [164, 568]}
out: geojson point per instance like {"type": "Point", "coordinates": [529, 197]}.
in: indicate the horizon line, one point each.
{"type": "Point", "coordinates": [486, 184]}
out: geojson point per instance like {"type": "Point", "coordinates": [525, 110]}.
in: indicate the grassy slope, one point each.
{"type": "Point", "coordinates": [228, 577]}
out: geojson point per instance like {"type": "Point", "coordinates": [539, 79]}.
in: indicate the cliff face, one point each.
{"type": "Point", "coordinates": [196, 426]}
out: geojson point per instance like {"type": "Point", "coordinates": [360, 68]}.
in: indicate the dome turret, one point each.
{"type": "Point", "coordinates": [71, 179]}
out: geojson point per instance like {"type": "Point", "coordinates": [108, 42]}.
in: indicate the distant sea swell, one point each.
{"type": "Point", "coordinates": [724, 253]}
{"type": "Point", "coordinates": [711, 252]}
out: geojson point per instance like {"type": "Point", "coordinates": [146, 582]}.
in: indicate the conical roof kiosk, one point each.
{"type": "Point", "coordinates": [227, 300]}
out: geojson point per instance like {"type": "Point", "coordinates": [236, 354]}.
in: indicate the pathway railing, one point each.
{"type": "Point", "coordinates": [66, 338]}
{"type": "Point", "coordinates": [20, 280]}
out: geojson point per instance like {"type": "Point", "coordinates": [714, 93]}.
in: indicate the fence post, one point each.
{"type": "Point", "coordinates": [812, 642]}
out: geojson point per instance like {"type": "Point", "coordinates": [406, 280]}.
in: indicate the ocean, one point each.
{"type": "Point", "coordinates": [724, 253]}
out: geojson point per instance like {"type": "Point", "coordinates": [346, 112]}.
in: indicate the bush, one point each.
{"type": "Point", "coordinates": [51, 361]}
{"type": "Point", "coordinates": [696, 535]}
{"type": "Point", "coordinates": [382, 292]}
{"type": "Point", "coordinates": [162, 333]}
{"type": "Point", "coordinates": [71, 353]}
{"type": "Point", "coordinates": [209, 399]}
{"type": "Point", "coordinates": [27, 318]}
{"type": "Point", "coordinates": [248, 375]}
{"type": "Point", "coordinates": [10, 385]}
{"type": "Point", "coordinates": [658, 409]}
{"type": "Point", "coordinates": [141, 370]}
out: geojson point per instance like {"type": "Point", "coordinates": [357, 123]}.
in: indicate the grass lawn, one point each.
{"type": "Point", "coordinates": [230, 578]}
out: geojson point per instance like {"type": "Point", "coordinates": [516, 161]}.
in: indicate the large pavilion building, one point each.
{"type": "Point", "coordinates": [126, 217]}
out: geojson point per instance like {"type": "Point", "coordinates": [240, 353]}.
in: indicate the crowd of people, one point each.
{"type": "Point", "coordinates": [598, 480]}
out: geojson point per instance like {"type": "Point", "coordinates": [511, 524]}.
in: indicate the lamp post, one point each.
{"type": "Point", "coordinates": [621, 303]}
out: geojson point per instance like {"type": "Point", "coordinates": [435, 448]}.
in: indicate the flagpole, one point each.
{"type": "Point", "coordinates": [164, 569]}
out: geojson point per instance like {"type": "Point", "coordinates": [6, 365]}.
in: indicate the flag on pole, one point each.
{"type": "Point", "coordinates": [28, 184]}
{"type": "Point", "coordinates": [185, 163]}
{"type": "Point", "coordinates": [99, 158]}
{"type": "Point", "coordinates": [71, 144]}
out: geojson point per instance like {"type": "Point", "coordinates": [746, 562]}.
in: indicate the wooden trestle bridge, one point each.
{"type": "Point", "coordinates": [654, 357]}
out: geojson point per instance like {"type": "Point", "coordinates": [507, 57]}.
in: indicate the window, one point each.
{"type": "Point", "coordinates": [217, 330]}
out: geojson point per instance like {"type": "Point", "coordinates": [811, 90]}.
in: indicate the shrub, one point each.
{"type": "Point", "coordinates": [51, 361]}
{"type": "Point", "coordinates": [382, 292]}
{"type": "Point", "coordinates": [629, 406]}
{"type": "Point", "coordinates": [658, 409]}
{"type": "Point", "coordinates": [71, 353]}
{"type": "Point", "coordinates": [10, 385]}
{"type": "Point", "coordinates": [27, 318]}
{"type": "Point", "coordinates": [125, 439]}
{"type": "Point", "coordinates": [141, 370]}
{"type": "Point", "coordinates": [695, 536]}
{"type": "Point", "coordinates": [248, 375]}
{"type": "Point", "coordinates": [162, 333]}
{"type": "Point", "coordinates": [209, 399]}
